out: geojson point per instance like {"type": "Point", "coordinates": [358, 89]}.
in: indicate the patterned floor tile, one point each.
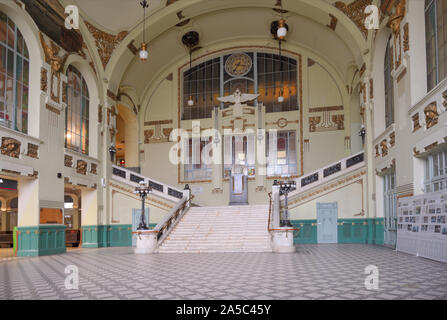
{"type": "Point", "coordinates": [116, 273]}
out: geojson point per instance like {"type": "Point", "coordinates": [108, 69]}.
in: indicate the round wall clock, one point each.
{"type": "Point", "coordinates": [238, 64]}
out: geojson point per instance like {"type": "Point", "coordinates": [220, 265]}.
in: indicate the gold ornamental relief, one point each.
{"type": "Point", "coordinates": [356, 12]}
{"type": "Point", "coordinates": [105, 42]}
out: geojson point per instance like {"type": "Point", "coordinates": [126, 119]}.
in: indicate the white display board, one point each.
{"type": "Point", "coordinates": [422, 226]}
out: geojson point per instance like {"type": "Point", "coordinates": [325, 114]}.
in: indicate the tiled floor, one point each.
{"type": "Point", "coordinates": [314, 272]}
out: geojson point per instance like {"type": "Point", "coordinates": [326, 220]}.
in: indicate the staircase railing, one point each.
{"type": "Point", "coordinates": [275, 212]}
{"type": "Point", "coordinates": [158, 188]}
{"type": "Point", "coordinates": [328, 173]}
{"type": "Point", "coordinates": [170, 220]}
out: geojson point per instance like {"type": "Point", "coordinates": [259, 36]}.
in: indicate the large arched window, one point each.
{"type": "Point", "coordinates": [14, 76]}
{"type": "Point", "coordinates": [77, 112]}
{"type": "Point", "coordinates": [251, 72]}
{"type": "Point", "coordinates": [436, 41]}
{"type": "Point", "coordinates": [389, 87]}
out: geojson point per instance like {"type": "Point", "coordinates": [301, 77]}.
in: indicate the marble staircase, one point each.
{"type": "Point", "coordinates": [220, 229]}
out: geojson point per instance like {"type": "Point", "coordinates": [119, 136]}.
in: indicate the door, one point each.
{"type": "Point", "coordinates": [136, 213]}
{"type": "Point", "coordinates": [327, 222]}
{"type": "Point", "coordinates": [390, 209]}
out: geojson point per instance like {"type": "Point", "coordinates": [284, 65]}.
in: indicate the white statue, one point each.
{"type": "Point", "coordinates": [237, 98]}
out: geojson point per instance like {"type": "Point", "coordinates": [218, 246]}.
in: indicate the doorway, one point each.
{"type": "Point", "coordinates": [8, 216]}
{"type": "Point", "coordinates": [327, 222]}
{"type": "Point", "coordinates": [390, 209]}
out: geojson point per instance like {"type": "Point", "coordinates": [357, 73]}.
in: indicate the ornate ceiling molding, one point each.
{"type": "Point", "coordinates": [356, 12]}
{"type": "Point", "coordinates": [105, 42]}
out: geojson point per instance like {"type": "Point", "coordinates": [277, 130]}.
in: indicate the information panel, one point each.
{"type": "Point", "coordinates": [422, 226]}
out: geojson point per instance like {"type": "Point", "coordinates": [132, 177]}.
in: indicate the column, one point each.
{"type": "Point", "coordinates": [28, 217]}
{"type": "Point", "coordinates": [93, 234]}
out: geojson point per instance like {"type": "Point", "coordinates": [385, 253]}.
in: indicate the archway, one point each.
{"type": "Point", "coordinates": [127, 138]}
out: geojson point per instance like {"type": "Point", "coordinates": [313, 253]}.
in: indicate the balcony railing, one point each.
{"type": "Point", "coordinates": [158, 188]}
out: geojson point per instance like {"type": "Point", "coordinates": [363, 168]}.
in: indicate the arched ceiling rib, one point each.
{"type": "Point", "coordinates": [222, 19]}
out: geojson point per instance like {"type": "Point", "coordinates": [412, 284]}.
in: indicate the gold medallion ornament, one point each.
{"type": "Point", "coordinates": [238, 64]}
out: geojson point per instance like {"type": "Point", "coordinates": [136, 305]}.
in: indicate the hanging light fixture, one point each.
{"type": "Point", "coordinates": [281, 33]}
{"type": "Point", "coordinates": [281, 91]}
{"type": "Point", "coordinates": [190, 40]}
{"type": "Point", "coordinates": [190, 100]}
{"type": "Point", "coordinates": [143, 51]}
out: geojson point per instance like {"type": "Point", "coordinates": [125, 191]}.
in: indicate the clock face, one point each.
{"type": "Point", "coordinates": [238, 64]}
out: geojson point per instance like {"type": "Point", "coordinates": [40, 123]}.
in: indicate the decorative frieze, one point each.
{"type": "Point", "coordinates": [52, 109]}
{"type": "Point", "coordinates": [326, 109]}
{"type": "Point", "coordinates": [10, 147]}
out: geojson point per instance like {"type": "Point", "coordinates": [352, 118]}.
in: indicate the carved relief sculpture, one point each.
{"type": "Point", "coordinates": [10, 147]}
{"type": "Point", "coordinates": [105, 42]}
{"type": "Point", "coordinates": [68, 161]}
{"type": "Point", "coordinates": [406, 38]}
{"type": "Point", "coordinates": [392, 139]}
{"type": "Point", "coordinates": [431, 115]}
{"type": "Point", "coordinates": [339, 121]}
{"type": "Point", "coordinates": [33, 150]}
{"type": "Point", "coordinates": [157, 134]}
{"type": "Point", "coordinates": [81, 167]}
{"type": "Point", "coordinates": [396, 18]}
{"type": "Point", "coordinates": [444, 96]}
{"type": "Point", "coordinates": [377, 151]}
{"type": "Point", "coordinates": [99, 113]}
{"type": "Point", "coordinates": [313, 122]}
{"type": "Point", "coordinates": [333, 24]}
{"type": "Point", "coordinates": [416, 124]}
{"type": "Point", "coordinates": [148, 135]}
{"type": "Point", "coordinates": [93, 168]}
{"type": "Point", "coordinates": [64, 93]}
{"type": "Point", "coordinates": [384, 147]}
{"type": "Point", "coordinates": [51, 56]}
{"type": "Point", "coordinates": [43, 79]}
{"type": "Point", "coordinates": [57, 63]}
{"type": "Point", "coordinates": [356, 12]}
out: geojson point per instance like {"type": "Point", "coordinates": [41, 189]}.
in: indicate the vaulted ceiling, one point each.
{"type": "Point", "coordinates": [339, 41]}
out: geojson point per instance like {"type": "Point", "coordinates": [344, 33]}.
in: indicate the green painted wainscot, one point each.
{"type": "Point", "coordinates": [40, 240]}
{"type": "Point", "coordinates": [369, 231]}
{"type": "Point", "coordinates": [116, 235]}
